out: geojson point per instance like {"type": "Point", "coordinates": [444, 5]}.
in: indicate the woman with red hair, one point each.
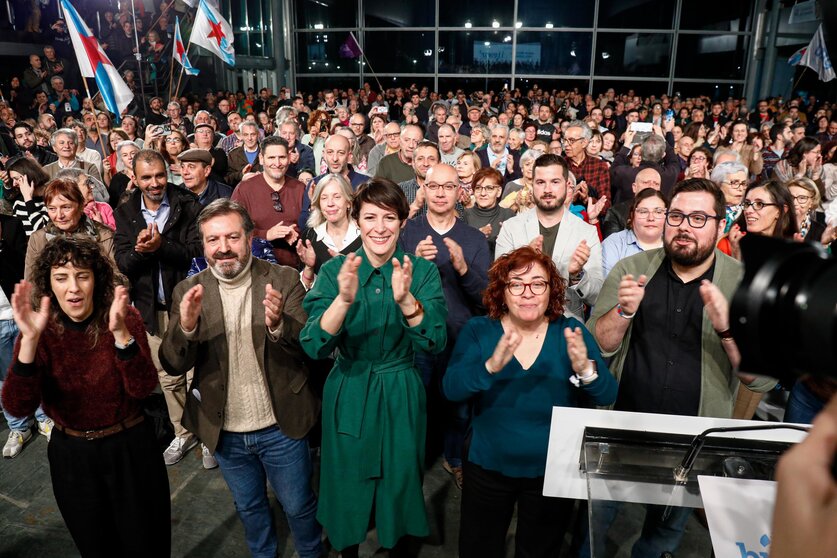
{"type": "Point", "coordinates": [515, 364]}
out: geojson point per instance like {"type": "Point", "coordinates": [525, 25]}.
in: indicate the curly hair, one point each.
{"type": "Point", "coordinates": [494, 296]}
{"type": "Point", "coordinates": [83, 253]}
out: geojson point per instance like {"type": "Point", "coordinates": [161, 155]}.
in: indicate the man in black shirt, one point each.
{"type": "Point", "coordinates": [662, 317]}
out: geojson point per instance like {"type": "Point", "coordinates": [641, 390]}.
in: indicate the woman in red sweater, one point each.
{"type": "Point", "coordinates": [84, 354]}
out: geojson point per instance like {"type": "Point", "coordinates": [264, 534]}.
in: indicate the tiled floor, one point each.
{"type": "Point", "coordinates": [204, 522]}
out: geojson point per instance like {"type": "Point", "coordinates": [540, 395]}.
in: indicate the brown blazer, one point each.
{"type": "Point", "coordinates": [237, 161]}
{"type": "Point", "coordinates": [281, 361]}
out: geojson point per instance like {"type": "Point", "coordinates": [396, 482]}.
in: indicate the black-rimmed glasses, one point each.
{"type": "Point", "coordinates": [277, 203]}
{"type": "Point", "coordinates": [695, 220]}
{"type": "Point", "coordinates": [758, 205]}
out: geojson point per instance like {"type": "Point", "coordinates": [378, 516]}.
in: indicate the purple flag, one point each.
{"type": "Point", "coordinates": [350, 48]}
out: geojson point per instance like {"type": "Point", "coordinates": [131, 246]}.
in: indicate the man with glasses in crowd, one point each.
{"type": "Point", "coordinates": [357, 123]}
{"type": "Point", "coordinates": [662, 317]}
{"type": "Point", "coordinates": [390, 145]}
{"type": "Point", "coordinates": [592, 170]}
{"type": "Point", "coordinates": [499, 156]}
{"type": "Point", "coordinates": [274, 200]}
{"type": "Point", "coordinates": [398, 167]}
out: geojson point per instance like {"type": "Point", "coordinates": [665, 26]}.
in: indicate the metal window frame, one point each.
{"type": "Point", "coordinates": [591, 77]}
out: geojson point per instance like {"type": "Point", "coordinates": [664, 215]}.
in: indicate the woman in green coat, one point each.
{"type": "Point", "coordinates": [377, 307]}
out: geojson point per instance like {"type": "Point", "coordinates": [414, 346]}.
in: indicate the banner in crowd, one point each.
{"type": "Point", "coordinates": [94, 63]}
{"type": "Point", "coordinates": [815, 56]}
{"type": "Point", "coordinates": [740, 514]}
{"type": "Point", "coordinates": [212, 32]}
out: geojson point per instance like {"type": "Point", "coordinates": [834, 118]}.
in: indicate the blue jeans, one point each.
{"type": "Point", "coordinates": [658, 535]}
{"type": "Point", "coordinates": [246, 459]}
{"type": "Point", "coordinates": [803, 405]}
{"type": "Point", "coordinates": [8, 334]}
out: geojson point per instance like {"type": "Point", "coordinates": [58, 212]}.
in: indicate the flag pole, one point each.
{"type": "Point", "coordinates": [363, 53]}
{"type": "Point", "coordinates": [98, 130]}
{"type": "Point", "coordinates": [138, 56]}
{"type": "Point", "coordinates": [171, 73]}
{"type": "Point", "coordinates": [805, 69]}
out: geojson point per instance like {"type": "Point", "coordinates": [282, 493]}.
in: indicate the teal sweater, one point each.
{"type": "Point", "coordinates": [513, 408]}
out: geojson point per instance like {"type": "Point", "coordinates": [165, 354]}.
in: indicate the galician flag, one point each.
{"type": "Point", "coordinates": [815, 56]}
{"type": "Point", "coordinates": [212, 32]}
{"type": "Point", "coordinates": [94, 63]}
{"type": "Point", "coordinates": [179, 51]}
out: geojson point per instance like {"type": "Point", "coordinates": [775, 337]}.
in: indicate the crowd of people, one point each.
{"type": "Point", "coordinates": [405, 273]}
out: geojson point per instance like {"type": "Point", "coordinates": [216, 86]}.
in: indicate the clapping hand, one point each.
{"type": "Point", "coordinates": [426, 249]}
{"type": "Point", "coordinates": [30, 322]}
{"type": "Point", "coordinates": [305, 251]}
{"type": "Point", "coordinates": [402, 278]}
{"type": "Point", "coordinates": [457, 257]}
{"type": "Point", "coordinates": [190, 308]}
{"type": "Point", "coordinates": [504, 351]}
{"type": "Point", "coordinates": [117, 313]}
{"type": "Point", "coordinates": [273, 303]}
{"type": "Point", "coordinates": [347, 281]}
{"type": "Point", "coordinates": [595, 209]}
{"type": "Point", "coordinates": [537, 243]}
{"type": "Point", "coordinates": [576, 349]}
{"type": "Point", "coordinates": [631, 292]}
{"type": "Point", "coordinates": [579, 258]}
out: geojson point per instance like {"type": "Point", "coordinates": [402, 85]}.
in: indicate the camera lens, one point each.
{"type": "Point", "coordinates": [784, 314]}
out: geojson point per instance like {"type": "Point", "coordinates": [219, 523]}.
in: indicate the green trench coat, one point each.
{"type": "Point", "coordinates": [374, 408]}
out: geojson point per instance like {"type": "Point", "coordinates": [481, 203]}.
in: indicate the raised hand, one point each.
{"type": "Point", "coordinates": [30, 322]}
{"type": "Point", "coordinates": [426, 249]}
{"type": "Point", "coordinates": [347, 281]}
{"type": "Point", "coordinates": [735, 235]}
{"type": "Point", "coordinates": [27, 189]}
{"type": "Point", "coordinates": [402, 278]}
{"type": "Point", "coordinates": [486, 230]}
{"type": "Point", "coordinates": [537, 243]}
{"type": "Point", "coordinates": [717, 307]}
{"type": "Point", "coordinates": [305, 251]}
{"type": "Point", "coordinates": [576, 349]}
{"type": "Point", "coordinates": [579, 258]}
{"type": "Point", "coordinates": [595, 209]}
{"type": "Point", "coordinates": [457, 258]}
{"type": "Point", "coordinates": [273, 303]}
{"type": "Point", "coordinates": [190, 308]}
{"type": "Point", "coordinates": [504, 351]}
{"type": "Point", "coordinates": [117, 313]}
{"type": "Point", "coordinates": [631, 292]}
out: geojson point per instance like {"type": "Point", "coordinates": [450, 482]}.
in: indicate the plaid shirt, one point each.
{"type": "Point", "coordinates": [596, 173]}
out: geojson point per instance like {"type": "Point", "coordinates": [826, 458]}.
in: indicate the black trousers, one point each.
{"type": "Point", "coordinates": [488, 500]}
{"type": "Point", "coordinates": [113, 493]}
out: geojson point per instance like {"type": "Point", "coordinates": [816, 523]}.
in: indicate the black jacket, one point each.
{"type": "Point", "coordinates": [13, 243]}
{"type": "Point", "coordinates": [617, 218]}
{"type": "Point", "coordinates": [181, 243]}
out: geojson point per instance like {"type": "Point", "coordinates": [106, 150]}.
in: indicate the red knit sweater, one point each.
{"type": "Point", "coordinates": [81, 386]}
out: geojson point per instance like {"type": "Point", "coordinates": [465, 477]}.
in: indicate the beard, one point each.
{"type": "Point", "coordinates": [690, 255]}
{"type": "Point", "coordinates": [228, 268]}
{"type": "Point", "coordinates": [552, 204]}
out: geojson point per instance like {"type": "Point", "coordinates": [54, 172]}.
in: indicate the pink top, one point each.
{"type": "Point", "coordinates": [105, 216]}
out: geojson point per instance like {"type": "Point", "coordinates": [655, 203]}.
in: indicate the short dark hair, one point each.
{"type": "Point", "coordinates": [523, 258]}
{"type": "Point", "coordinates": [30, 169]}
{"type": "Point", "coordinates": [383, 193]}
{"type": "Point", "coordinates": [274, 140]}
{"type": "Point", "coordinates": [429, 144]}
{"type": "Point", "coordinates": [225, 206]}
{"type": "Point", "coordinates": [776, 130]}
{"type": "Point", "coordinates": [22, 124]}
{"type": "Point", "coordinates": [548, 160]}
{"type": "Point", "coordinates": [702, 185]}
{"type": "Point", "coordinates": [148, 156]}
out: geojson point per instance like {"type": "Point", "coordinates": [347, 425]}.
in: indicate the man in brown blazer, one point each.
{"type": "Point", "coordinates": [238, 324]}
{"type": "Point", "coordinates": [244, 158]}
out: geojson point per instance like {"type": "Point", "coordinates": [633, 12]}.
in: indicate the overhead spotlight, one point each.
{"type": "Point", "coordinates": [414, 61]}
{"type": "Point", "coordinates": [495, 24]}
{"type": "Point", "coordinates": [487, 43]}
{"type": "Point", "coordinates": [605, 55]}
{"type": "Point", "coordinates": [428, 52]}
{"type": "Point", "coordinates": [326, 64]}
{"type": "Point", "coordinates": [441, 49]}
{"type": "Point", "coordinates": [467, 25]}
{"type": "Point", "coordinates": [318, 26]}
{"type": "Point", "coordinates": [507, 39]}
{"type": "Point", "coordinates": [518, 24]}
{"type": "Point", "coordinates": [549, 26]}
{"type": "Point", "coordinates": [572, 52]}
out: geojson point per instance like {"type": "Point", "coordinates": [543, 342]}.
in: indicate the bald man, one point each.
{"type": "Point", "coordinates": [337, 155]}
{"type": "Point", "coordinates": [462, 256]}
{"type": "Point", "coordinates": [390, 145]}
{"type": "Point", "coordinates": [617, 218]}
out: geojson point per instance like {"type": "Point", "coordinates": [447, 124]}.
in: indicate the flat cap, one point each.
{"type": "Point", "coordinates": [196, 155]}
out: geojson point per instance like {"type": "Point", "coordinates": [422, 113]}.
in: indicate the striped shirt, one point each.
{"type": "Point", "coordinates": [32, 213]}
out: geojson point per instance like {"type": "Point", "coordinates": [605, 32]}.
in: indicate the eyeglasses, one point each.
{"type": "Point", "coordinates": [757, 205]}
{"type": "Point", "coordinates": [277, 204]}
{"type": "Point", "coordinates": [737, 184]}
{"type": "Point", "coordinates": [355, 123]}
{"type": "Point", "coordinates": [644, 212]}
{"type": "Point", "coordinates": [695, 220]}
{"type": "Point", "coordinates": [801, 198]}
{"type": "Point", "coordinates": [570, 141]}
{"type": "Point", "coordinates": [485, 188]}
{"type": "Point", "coordinates": [517, 288]}
{"type": "Point", "coordinates": [173, 140]}
{"type": "Point", "coordinates": [393, 135]}
{"type": "Point", "coordinates": [448, 186]}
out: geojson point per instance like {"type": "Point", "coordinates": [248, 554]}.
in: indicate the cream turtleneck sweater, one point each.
{"type": "Point", "coordinates": [248, 406]}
